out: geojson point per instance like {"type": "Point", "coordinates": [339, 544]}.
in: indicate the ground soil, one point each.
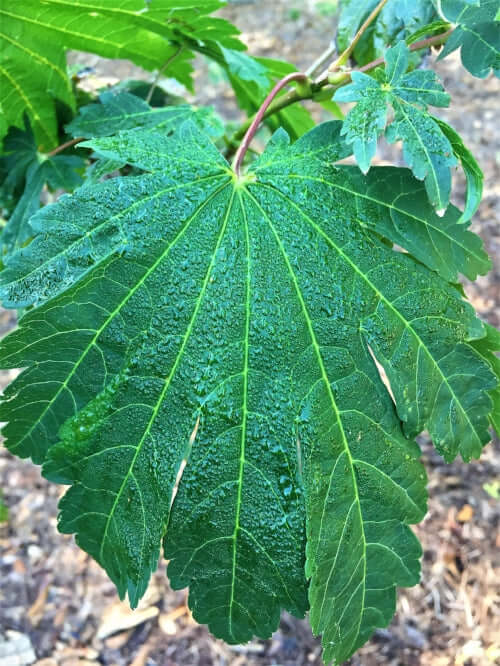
{"type": "Point", "coordinates": [58, 607]}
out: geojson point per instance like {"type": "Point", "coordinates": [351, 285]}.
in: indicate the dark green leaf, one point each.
{"type": "Point", "coordinates": [477, 34]}
{"type": "Point", "coordinates": [395, 205]}
{"type": "Point", "coordinates": [60, 171]}
{"type": "Point", "coordinates": [25, 172]}
{"type": "Point", "coordinates": [230, 323]}
{"type": "Point", "coordinates": [17, 230]}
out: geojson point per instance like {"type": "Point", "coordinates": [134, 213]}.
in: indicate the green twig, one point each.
{"type": "Point", "coordinates": [298, 95]}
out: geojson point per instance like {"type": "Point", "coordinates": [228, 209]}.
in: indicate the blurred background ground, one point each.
{"type": "Point", "coordinates": [58, 608]}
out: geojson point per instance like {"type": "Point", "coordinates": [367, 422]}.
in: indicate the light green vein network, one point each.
{"type": "Point", "coordinates": [184, 316]}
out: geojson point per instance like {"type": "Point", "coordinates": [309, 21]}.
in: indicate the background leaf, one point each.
{"type": "Point", "coordinates": [397, 20]}
{"type": "Point", "coordinates": [35, 36]}
{"type": "Point", "coordinates": [477, 35]}
{"type": "Point", "coordinates": [123, 111]}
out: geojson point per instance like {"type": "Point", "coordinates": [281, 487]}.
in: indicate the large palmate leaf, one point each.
{"type": "Point", "coordinates": [397, 20]}
{"type": "Point", "coordinates": [426, 147]}
{"type": "Point", "coordinates": [190, 316]}
{"type": "Point", "coordinates": [477, 34]}
{"type": "Point", "coordinates": [34, 36]}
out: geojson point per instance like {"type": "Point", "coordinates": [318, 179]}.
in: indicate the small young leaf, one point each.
{"type": "Point", "coordinates": [230, 322]}
{"type": "Point", "coordinates": [477, 35]}
{"type": "Point", "coordinates": [426, 148]}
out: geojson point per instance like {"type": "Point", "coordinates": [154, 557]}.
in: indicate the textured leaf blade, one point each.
{"type": "Point", "coordinates": [393, 203]}
{"type": "Point", "coordinates": [227, 324]}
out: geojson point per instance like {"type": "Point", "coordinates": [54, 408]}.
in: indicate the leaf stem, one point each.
{"type": "Point", "coordinates": [67, 144]}
{"type": "Point", "coordinates": [344, 56]}
{"type": "Point", "coordinates": [437, 40]}
{"type": "Point", "coordinates": [259, 116]}
{"type": "Point", "coordinates": [161, 71]}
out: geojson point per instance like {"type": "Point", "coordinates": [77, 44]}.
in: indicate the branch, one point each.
{"type": "Point", "coordinates": [321, 60]}
{"type": "Point", "coordinates": [344, 57]}
{"type": "Point", "coordinates": [299, 95]}
{"type": "Point", "coordinates": [68, 144]}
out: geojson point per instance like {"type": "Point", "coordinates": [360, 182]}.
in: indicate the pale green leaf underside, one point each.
{"type": "Point", "coordinates": [191, 316]}
{"type": "Point", "coordinates": [34, 37]}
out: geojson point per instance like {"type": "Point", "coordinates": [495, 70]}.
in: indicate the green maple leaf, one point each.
{"type": "Point", "coordinates": [34, 37]}
{"type": "Point", "coordinates": [426, 142]}
{"type": "Point", "coordinates": [199, 368]}
{"type": "Point", "coordinates": [477, 34]}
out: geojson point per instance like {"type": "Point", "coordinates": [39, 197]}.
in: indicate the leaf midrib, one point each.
{"type": "Point", "coordinates": [119, 46]}
{"type": "Point", "coordinates": [335, 408]}
{"type": "Point", "coordinates": [51, 137]}
{"type": "Point", "coordinates": [399, 102]}
{"type": "Point", "coordinates": [172, 113]}
{"type": "Point", "coordinates": [42, 59]}
{"type": "Point", "coordinates": [139, 18]}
